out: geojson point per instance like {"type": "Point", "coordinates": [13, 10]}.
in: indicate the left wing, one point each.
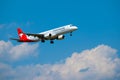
{"type": "Point", "coordinates": [41, 36]}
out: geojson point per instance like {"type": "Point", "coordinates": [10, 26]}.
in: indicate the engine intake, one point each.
{"type": "Point", "coordinates": [60, 37]}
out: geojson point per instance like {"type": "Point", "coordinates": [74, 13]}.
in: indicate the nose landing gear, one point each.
{"type": "Point", "coordinates": [70, 33]}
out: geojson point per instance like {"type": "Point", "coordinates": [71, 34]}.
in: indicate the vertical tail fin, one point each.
{"type": "Point", "coordinates": [21, 35]}
{"type": "Point", "coordinates": [19, 30]}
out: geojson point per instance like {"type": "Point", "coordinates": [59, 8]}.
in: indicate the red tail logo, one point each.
{"type": "Point", "coordinates": [22, 35]}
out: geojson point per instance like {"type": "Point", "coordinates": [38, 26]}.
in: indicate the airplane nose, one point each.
{"type": "Point", "coordinates": [75, 27]}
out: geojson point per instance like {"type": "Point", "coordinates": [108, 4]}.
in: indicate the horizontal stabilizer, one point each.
{"type": "Point", "coordinates": [15, 39]}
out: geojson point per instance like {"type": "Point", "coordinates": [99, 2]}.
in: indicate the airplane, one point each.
{"type": "Point", "coordinates": [57, 33]}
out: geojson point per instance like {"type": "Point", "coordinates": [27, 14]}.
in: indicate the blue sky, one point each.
{"type": "Point", "coordinates": [98, 22]}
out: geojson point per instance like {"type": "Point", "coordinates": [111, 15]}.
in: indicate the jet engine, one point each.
{"type": "Point", "coordinates": [60, 37]}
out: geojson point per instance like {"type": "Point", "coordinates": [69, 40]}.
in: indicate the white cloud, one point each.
{"type": "Point", "coordinates": [23, 50]}
{"type": "Point", "coordinates": [6, 72]}
{"type": "Point", "coordinates": [10, 52]}
{"type": "Point", "coordinates": [100, 63]}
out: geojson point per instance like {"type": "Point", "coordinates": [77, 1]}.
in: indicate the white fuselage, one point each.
{"type": "Point", "coordinates": [54, 33]}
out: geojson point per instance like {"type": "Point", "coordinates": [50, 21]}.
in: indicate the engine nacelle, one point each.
{"type": "Point", "coordinates": [60, 37]}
